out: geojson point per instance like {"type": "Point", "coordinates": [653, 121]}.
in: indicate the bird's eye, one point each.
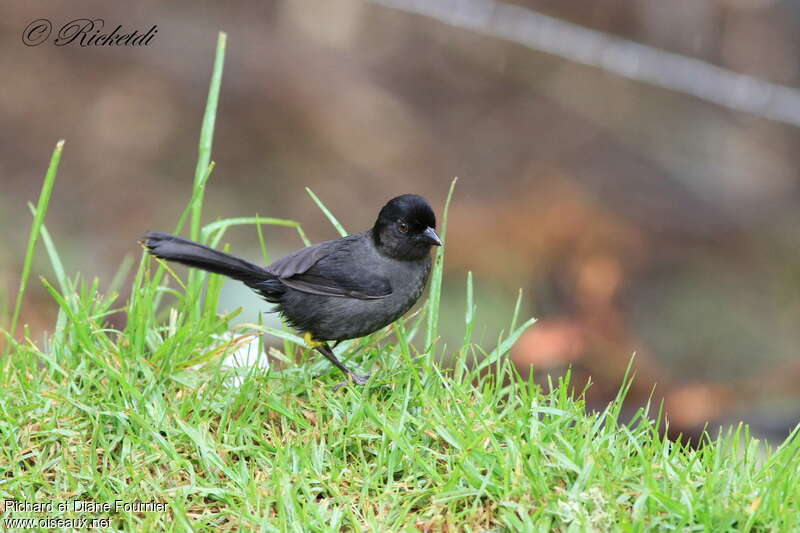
{"type": "Point", "coordinates": [403, 227]}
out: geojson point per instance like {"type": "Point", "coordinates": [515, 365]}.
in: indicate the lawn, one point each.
{"type": "Point", "coordinates": [150, 427]}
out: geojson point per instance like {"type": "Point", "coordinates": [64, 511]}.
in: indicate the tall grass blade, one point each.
{"type": "Point", "coordinates": [261, 243]}
{"type": "Point", "coordinates": [202, 170]}
{"type": "Point", "coordinates": [327, 213]}
{"type": "Point", "coordinates": [469, 315]}
{"type": "Point", "coordinates": [504, 346]}
{"type": "Point", "coordinates": [435, 291]}
{"type": "Point", "coordinates": [197, 195]}
{"type": "Point", "coordinates": [38, 219]}
{"type": "Point", "coordinates": [55, 260]}
{"type": "Point", "coordinates": [207, 132]}
{"type": "Point", "coordinates": [517, 307]}
{"type": "Point", "coordinates": [221, 225]}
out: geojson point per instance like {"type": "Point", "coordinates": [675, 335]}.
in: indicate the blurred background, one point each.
{"type": "Point", "coordinates": [613, 164]}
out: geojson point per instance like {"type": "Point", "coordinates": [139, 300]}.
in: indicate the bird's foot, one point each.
{"type": "Point", "coordinates": [355, 378]}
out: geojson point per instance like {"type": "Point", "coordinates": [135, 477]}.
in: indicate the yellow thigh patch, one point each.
{"type": "Point", "coordinates": [310, 342]}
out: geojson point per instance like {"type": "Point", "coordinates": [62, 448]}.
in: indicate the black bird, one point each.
{"type": "Point", "coordinates": [334, 290]}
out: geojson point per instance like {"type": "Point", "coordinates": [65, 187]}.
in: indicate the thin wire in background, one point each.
{"type": "Point", "coordinates": [613, 54]}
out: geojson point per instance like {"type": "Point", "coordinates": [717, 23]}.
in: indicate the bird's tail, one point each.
{"type": "Point", "coordinates": [196, 255]}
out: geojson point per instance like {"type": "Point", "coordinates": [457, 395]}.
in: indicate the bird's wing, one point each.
{"type": "Point", "coordinates": [300, 261]}
{"type": "Point", "coordinates": [333, 268]}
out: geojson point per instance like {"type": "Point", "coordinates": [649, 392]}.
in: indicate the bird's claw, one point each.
{"type": "Point", "coordinates": [355, 378]}
{"type": "Point", "coordinates": [359, 380]}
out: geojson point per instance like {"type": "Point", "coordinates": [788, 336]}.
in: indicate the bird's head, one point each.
{"type": "Point", "coordinates": [406, 228]}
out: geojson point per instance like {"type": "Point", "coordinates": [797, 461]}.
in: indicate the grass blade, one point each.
{"type": "Point", "coordinates": [203, 168]}
{"type": "Point", "coordinates": [327, 213]}
{"type": "Point", "coordinates": [38, 219]}
{"type": "Point", "coordinates": [221, 225]}
{"type": "Point", "coordinates": [515, 315]}
{"type": "Point", "coordinates": [207, 133]}
{"type": "Point", "coordinates": [504, 346]}
{"type": "Point", "coordinates": [469, 315]}
{"type": "Point", "coordinates": [435, 292]}
{"type": "Point", "coordinates": [261, 243]}
{"type": "Point", "coordinates": [197, 194]}
{"type": "Point", "coordinates": [55, 260]}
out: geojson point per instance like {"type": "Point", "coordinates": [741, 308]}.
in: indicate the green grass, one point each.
{"type": "Point", "coordinates": [151, 413]}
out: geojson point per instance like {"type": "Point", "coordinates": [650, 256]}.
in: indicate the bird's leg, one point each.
{"type": "Point", "coordinates": [325, 350]}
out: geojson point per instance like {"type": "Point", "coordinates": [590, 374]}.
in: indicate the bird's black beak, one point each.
{"type": "Point", "coordinates": [429, 236]}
